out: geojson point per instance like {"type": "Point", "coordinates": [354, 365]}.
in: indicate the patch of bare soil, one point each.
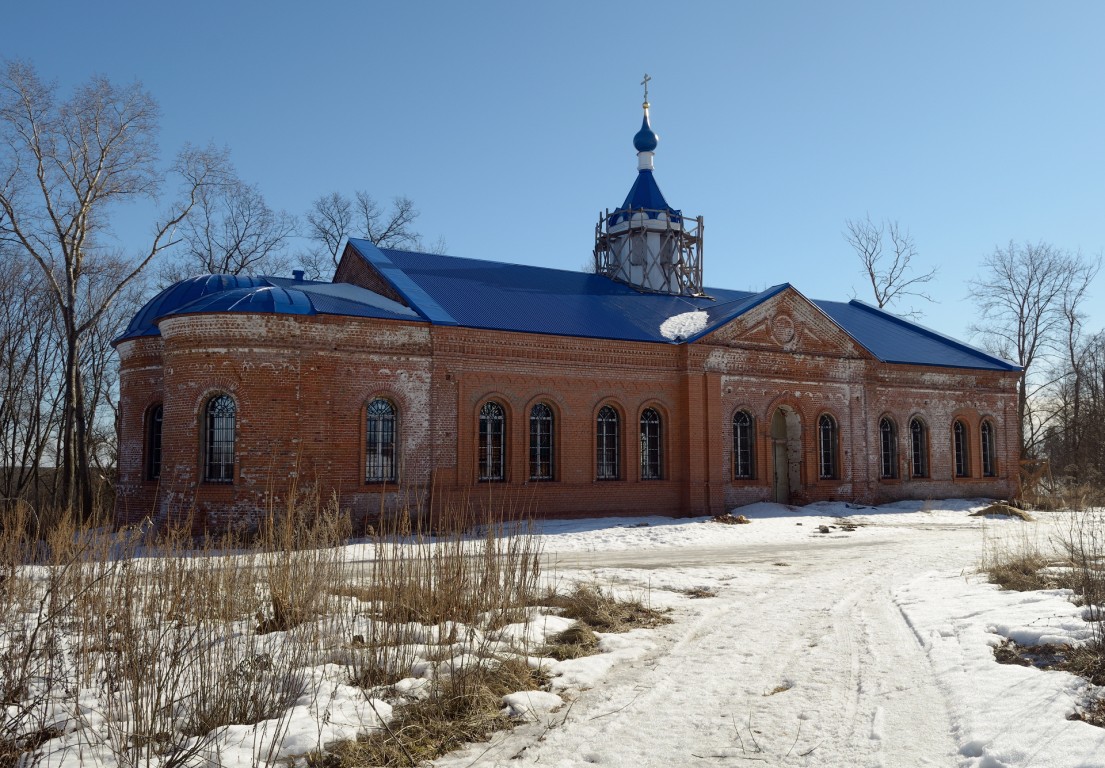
{"type": "Point", "coordinates": [1003, 510]}
{"type": "Point", "coordinates": [730, 519]}
{"type": "Point", "coordinates": [1085, 661]}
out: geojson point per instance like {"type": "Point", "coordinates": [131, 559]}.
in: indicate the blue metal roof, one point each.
{"type": "Point", "coordinates": [895, 340]}
{"type": "Point", "coordinates": [263, 295]}
{"type": "Point", "coordinates": [262, 299]}
{"type": "Point", "coordinates": [447, 290]}
{"type": "Point", "coordinates": [645, 193]}
{"type": "Point", "coordinates": [511, 297]}
{"type": "Point", "coordinates": [179, 294]}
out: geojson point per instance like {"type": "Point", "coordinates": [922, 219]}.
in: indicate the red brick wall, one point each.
{"type": "Point", "coordinates": [301, 385]}
{"type": "Point", "coordinates": [354, 269]}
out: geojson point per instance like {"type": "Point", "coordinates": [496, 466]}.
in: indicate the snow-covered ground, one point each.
{"type": "Point", "coordinates": [872, 647]}
{"type": "Point", "coordinates": [837, 635]}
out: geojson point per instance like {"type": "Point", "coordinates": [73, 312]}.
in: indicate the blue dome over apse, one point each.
{"type": "Point", "coordinates": [179, 294]}
{"type": "Point", "coordinates": [646, 139]}
{"type": "Point", "coordinates": [264, 299]}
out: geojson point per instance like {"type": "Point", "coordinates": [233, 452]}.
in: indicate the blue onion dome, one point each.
{"type": "Point", "coordinates": [646, 138]}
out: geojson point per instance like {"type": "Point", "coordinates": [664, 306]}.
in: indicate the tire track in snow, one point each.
{"type": "Point", "coordinates": [714, 688]}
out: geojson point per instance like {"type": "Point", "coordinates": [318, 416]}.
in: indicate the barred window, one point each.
{"type": "Point", "coordinates": [828, 465]}
{"type": "Point", "coordinates": [606, 444]}
{"type": "Point", "coordinates": [959, 443]}
{"type": "Point", "coordinates": [220, 417]}
{"type": "Point", "coordinates": [651, 463]}
{"type": "Point", "coordinates": [989, 452]}
{"type": "Point", "coordinates": [888, 441]}
{"type": "Point", "coordinates": [381, 433]}
{"type": "Point", "coordinates": [918, 448]}
{"type": "Point", "coordinates": [742, 445]}
{"type": "Point", "coordinates": [541, 442]}
{"type": "Point", "coordinates": [492, 442]}
{"type": "Point", "coordinates": [154, 417]}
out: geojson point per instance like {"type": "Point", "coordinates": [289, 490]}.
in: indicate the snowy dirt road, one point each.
{"type": "Point", "coordinates": [802, 658]}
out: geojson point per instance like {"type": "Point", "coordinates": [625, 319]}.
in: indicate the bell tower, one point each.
{"type": "Point", "coordinates": [646, 243]}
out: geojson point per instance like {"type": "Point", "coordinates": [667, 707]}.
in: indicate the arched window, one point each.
{"type": "Point", "coordinates": [541, 442]}
{"type": "Point", "coordinates": [153, 441]}
{"type": "Point", "coordinates": [826, 447]}
{"type": "Point", "coordinates": [742, 445]}
{"type": "Point", "coordinates": [989, 450]}
{"type": "Point", "coordinates": [918, 448]}
{"type": "Point", "coordinates": [492, 442]}
{"type": "Point", "coordinates": [219, 419]}
{"type": "Point", "coordinates": [651, 457]}
{"type": "Point", "coordinates": [888, 442]}
{"type": "Point", "coordinates": [607, 461]}
{"type": "Point", "coordinates": [959, 443]}
{"type": "Point", "coordinates": [381, 434]}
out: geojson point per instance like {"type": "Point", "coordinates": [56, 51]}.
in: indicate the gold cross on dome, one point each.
{"type": "Point", "coordinates": [645, 84]}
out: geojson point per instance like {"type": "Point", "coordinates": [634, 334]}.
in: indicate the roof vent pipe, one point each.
{"type": "Point", "coordinates": [298, 275]}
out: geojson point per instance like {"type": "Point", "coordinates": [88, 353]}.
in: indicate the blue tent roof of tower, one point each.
{"type": "Point", "coordinates": [475, 293]}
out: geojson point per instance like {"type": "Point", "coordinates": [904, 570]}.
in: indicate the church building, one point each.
{"type": "Point", "coordinates": [429, 380]}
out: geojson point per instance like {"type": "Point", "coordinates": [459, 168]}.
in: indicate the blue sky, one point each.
{"type": "Point", "coordinates": [510, 124]}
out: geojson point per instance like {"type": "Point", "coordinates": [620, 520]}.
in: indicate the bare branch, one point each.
{"type": "Point", "coordinates": [888, 273]}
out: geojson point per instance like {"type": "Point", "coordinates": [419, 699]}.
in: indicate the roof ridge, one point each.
{"type": "Point", "coordinates": [480, 261]}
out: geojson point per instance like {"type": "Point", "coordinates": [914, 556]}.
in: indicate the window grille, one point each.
{"type": "Point", "coordinates": [381, 439]}
{"type": "Point", "coordinates": [918, 448]}
{"type": "Point", "coordinates": [650, 445]}
{"type": "Point", "coordinates": [492, 443]}
{"type": "Point", "coordinates": [220, 420]}
{"type": "Point", "coordinates": [989, 453]}
{"type": "Point", "coordinates": [888, 439]}
{"type": "Point", "coordinates": [541, 442]}
{"type": "Point", "coordinates": [606, 444]}
{"type": "Point", "coordinates": [827, 447]}
{"type": "Point", "coordinates": [742, 445]}
{"type": "Point", "coordinates": [959, 440]}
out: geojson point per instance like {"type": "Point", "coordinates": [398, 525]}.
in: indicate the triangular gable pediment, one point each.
{"type": "Point", "coordinates": [787, 322]}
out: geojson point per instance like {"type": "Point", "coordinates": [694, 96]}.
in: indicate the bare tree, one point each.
{"type": "Point", "coordinates": [63, 165]}
{"type": "Point", "coordinates": [334, 217]}
{"type": "Point", "coordinates": [887, 265]}
{"type": "Point", "coordinates": [1029, 299]}
{"type": "Point", "coordinates": [30, 370]}
{"type": "Point", "coordinates": [232, 231]}
{"type": "Point", "coordinates": [1074, 439]}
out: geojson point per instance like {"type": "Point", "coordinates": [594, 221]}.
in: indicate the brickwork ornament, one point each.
{"type": "Point", "coordinates": [782, 329]}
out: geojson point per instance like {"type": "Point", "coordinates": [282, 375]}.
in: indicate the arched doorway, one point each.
{"type": "Point", "coordinates": [786, 453]}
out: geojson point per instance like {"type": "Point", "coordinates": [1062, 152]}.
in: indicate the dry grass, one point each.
{"type": "Point", "coordinates": [176, 638]}
{"type": "Point", "coordinates": [159, 627]}
{"type": "Point", "coordinates": [700, 593]}
{"type": "Point", "coordinates": [1017, 559]}
{"type": "Point", "coordinates": [1093, 713]}
{"type": "Point", "coordinates": [1079, 547]}
{"type": "Point", "coordinates": [1085, 661]}
{"type": "Point", "coordinates": [603, 612]}
{"type": "Point", "coordinates": [575, 642]}
{"type": "Point", "coordinates": [1003, 510]}
{"type": "Point", "coordinates": [1022, 573]}
{"type": "Point", "coordinates": [461, 708]}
